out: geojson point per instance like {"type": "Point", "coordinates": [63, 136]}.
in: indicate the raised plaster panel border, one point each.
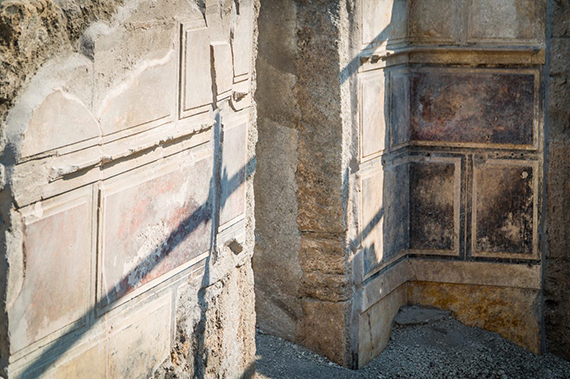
{"type": "Point", "coordinates": [537, 135]}
{"type": "Point", "coordinates": [457, 195]}
{"type": "Point", "coordinates": [535, 219]}
{"type": "Point", "coordinates": [234, 121]}
{"type": "Point", "coordinates": [102, 162]}
{"type": "Point", "coordinates": [50, 207]}
{"type": "Point", "coordinates": [187, 28]}
{"type": "Point", "coordinates": [133, 178]}
{"type": "Point", "coordinates": [362, 79]}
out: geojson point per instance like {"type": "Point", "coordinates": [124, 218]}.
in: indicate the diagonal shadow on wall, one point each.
{"type": "Point", "coordinates": [202, 215]}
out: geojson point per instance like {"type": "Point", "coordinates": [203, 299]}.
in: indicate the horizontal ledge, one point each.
{"type": "Point", "coordinates": [528, 55]}
{"type": "Point", "coordinates": [450, 272]}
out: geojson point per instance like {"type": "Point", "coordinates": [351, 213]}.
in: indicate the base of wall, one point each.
{"type": "Point", "coordinates": [483, 301]}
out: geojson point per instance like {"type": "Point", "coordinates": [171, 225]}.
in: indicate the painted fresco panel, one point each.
{"type": "Point", "coordinates": [477, 107]}
{"type": "Point", "coordinates": [56, 279]}
{"type": "Point", "coordinates": [504, 216]}
{"type": "Point", "coordinates": [432, 206]}
{"type": "Point", "coordinates": [152, 226]}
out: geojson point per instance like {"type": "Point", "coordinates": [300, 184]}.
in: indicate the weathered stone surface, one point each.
{"type": "Point", "coordinates": [373, 122]}
{"type": "Point", "coordinates": [322, 328]}
{"type": "Point", "coordinates": [511, 312]}
{"type": "Point", "coordinates": [560, 18]}
{"type": "Point", "coordinates": [168, 219]}
{"type": "Point", "coordinates": [432, 206]}
{"type": "Point", "coordinates": [55, 291]}
{"type": "Point", "coordinates": [492, 20]}
{"type": "Point", "coordinates": [501, 107]}
{"type": "Point", "coordinates": [276, 260]}
{"type": "Point", "coordinates": [322, 261]}
{"type": "Point", "coordinates": [504, 226]}
{"type": "Point", "coordinates": [60, 120]}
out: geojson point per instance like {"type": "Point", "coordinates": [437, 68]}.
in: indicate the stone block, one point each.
{"type": "Point", "coordinates": [505, 20]}
{"type": "Point", "coordinates": [223, 66]}
{"type": "Point", "coordinates": [322, 329]}
{"type": "Point", "coordinates": [372, 225]}
{"type": "Point", "coordinates": [60, 120]}
{"type": "Point", "coordinates": [432, 21]}
{"type": "Point", "coordinates": [137, 349]}
{"type": "Point", "coordinates": [56, 287]}
{"type": "Point", "coordinates": [373, 113]}
{"type": "Point", "coordinates": [196, 82]}
{"type": "Point", "coordinates": [434, 206]}
{"type": "Point", "coordinates": [233, 172]}
{"type": "Point", "coordinates": [153, 222]}
{"type": "Point", "coordinates": [478, 107]}
{"type": "Point", "coordinates": [322, 260]}
{"type": "Point", "coordinates": [505, 208]}
{"type": "Point", "coordinates": [384, 21]}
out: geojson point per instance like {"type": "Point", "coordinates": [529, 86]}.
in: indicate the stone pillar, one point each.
{"type": "Point", "coordinates": [557, 263]}
{"type": "Point", "coordinates": [302, 276]}
{"type": "Point", "coordinates": [416, 130]}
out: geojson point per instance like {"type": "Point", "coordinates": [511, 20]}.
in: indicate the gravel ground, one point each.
{"type": "Point", "coordinates": [424, 344]}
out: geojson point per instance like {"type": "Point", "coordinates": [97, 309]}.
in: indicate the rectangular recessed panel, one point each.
{"type": "Point", "coordinates": [505, 209]}
{"type": "Point", "coordinates": [400, 108]}
{"type": "Point", "coordinates": [396, 209]}
{"type": "Point", "coordinates": [373, 113]}
{"type": "Point", "coordinates": [384, 21]}
{"type": "Point", "coordinates": [504, 20]}
{"type": "Point", "coordinates": [432, 206]}
{"type": "Point", "coordinates": [55, 287]}
{"type": "Point", "coordinates": [233, 173]}
{"type": "Point", "coordinates": [473, 107]}
{"type": "Point", "coordinates": [431, 20]}
{"type": "Point", "coordinates": [372, 225]}
{"type": "Point", "coordinates": [153, 225]}
{"type": "Point", "coordinates": [196, 71]}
